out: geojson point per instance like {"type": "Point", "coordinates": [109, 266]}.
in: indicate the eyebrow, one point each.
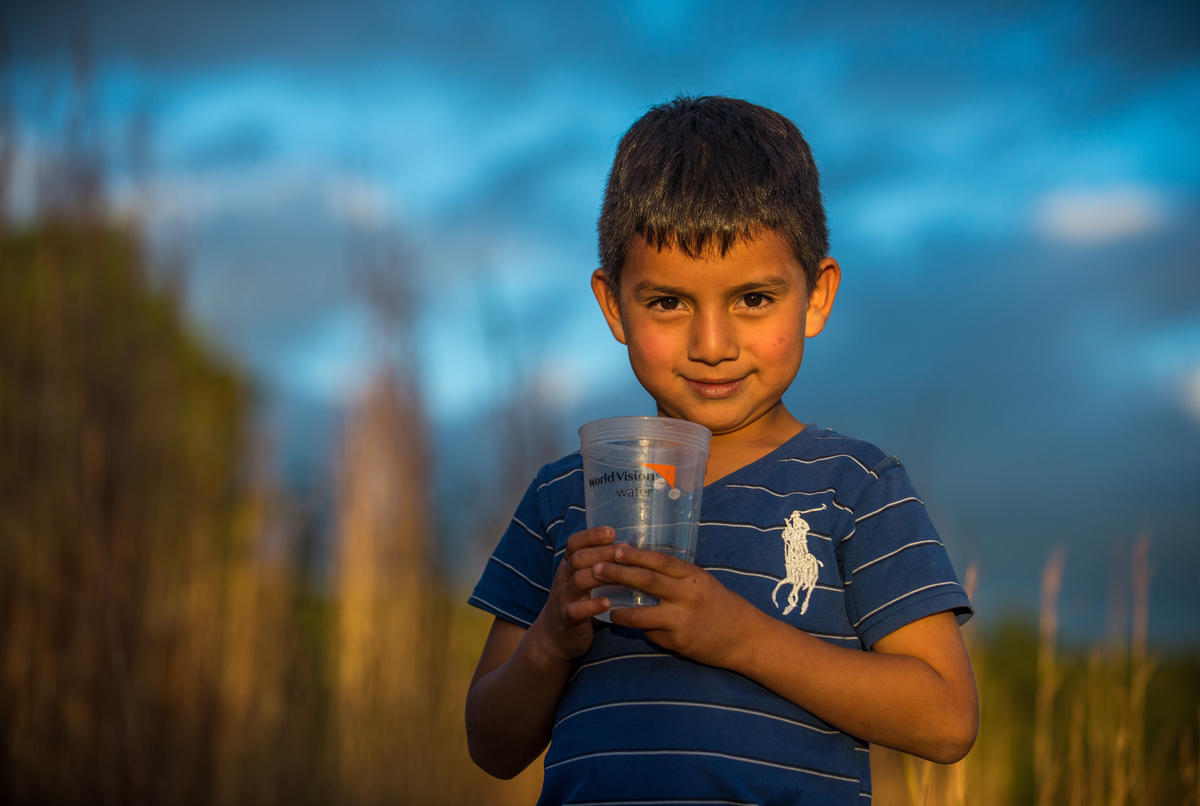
{"type": "Point", "coordinates": [766, 283]}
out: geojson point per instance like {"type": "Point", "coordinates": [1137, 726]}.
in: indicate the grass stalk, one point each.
{"type": "Point", "coordinates": [1045, 766]}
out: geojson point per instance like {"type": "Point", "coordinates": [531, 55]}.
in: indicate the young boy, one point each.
{"type": "Point", "coordinates": [821, 612]}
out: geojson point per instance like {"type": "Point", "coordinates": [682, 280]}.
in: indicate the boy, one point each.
{"type": "Point", "coordinates": [820, 613]}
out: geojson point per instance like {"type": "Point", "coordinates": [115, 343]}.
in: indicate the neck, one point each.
{"type": "Point", "coordinates": [736, 449]}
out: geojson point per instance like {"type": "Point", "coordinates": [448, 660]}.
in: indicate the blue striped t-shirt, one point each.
{"type": "Point", "coordinates": [826, 533]}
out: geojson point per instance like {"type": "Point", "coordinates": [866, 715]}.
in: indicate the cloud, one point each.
{"type": "Point", "coordinates": [1089, 217]}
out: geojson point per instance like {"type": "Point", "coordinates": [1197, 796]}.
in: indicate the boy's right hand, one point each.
{"type": "Point", "coordinates": [565, 624]}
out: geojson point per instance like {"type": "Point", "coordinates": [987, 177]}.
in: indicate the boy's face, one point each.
{"type": "Point", "coordinates": [717, 340]}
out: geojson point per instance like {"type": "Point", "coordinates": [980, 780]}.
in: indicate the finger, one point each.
{"type": "Point", "coordinates": [596, 536]}
{"type": "Point", "coordinates": [581, 541]}
{"type": "Point", "coordinates": [583, 610]}
{"type": "Point", "coordinates": [640, 618]}
{"type": "Point", "coordinates": [643, 579]}
{"type": "Point", "coordinates": [658, 561]}
{"type": "Point", "coordinates": [582, 581]}
{"type": "Point", "coordinates": [589, 556]}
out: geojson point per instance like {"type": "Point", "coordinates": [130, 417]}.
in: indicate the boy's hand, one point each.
{"type": "Point", "coordinates": [565, 623]}
{"type": "Point", "coordinates": [696, 615]}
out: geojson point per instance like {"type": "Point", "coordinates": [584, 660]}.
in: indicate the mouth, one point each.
{"type": "Point", "coordinates": [716, 389]}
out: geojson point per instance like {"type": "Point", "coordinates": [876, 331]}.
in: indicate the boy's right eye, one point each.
{"type": "Point", "coordinates": [665, 303]}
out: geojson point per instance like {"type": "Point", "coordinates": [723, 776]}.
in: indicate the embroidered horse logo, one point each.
{"type": "Point", "coordinates": [801, 566]}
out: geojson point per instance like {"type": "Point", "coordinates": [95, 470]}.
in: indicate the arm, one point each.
{"type": "Point", "coordinates": [914, 691]}
{"type": "Point", "coordinates": [521, 673]}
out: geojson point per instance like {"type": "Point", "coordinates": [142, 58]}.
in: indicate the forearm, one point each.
{"type": "Point", "coordinates": [888, 698]}
{"type": "Point", "coordinates": [510, 709]}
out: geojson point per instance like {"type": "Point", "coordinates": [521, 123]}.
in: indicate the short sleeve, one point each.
{"type": "Point", "coordinates": [895, 563]}
{"type": "Point", "coordinates": [516, 580]}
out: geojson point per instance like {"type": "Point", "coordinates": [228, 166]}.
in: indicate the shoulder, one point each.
{"type": "Point", "coordinates": [848, 459]}
{"type": "Point", "coordinates": [826, 441]}
{"type": "Point", "coordinates": [561, 473]}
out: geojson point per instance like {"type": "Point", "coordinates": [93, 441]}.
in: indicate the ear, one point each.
{"type": "Point", "coordinates": [820, 300]}
{"type": "Point", "coordinates": [610, 305]}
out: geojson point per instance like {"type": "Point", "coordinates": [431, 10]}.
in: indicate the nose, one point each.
{"type": "Point", "coordinates": [713, 338]}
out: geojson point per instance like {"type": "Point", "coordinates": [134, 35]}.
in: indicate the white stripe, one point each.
{"type": "Point", "coordinates": [560, 478]}
{"type": "Point", "coordinates": [628, 656]}
{"type": "Point", "coordinates": [500, 611]}
{"type": "Point", "coordinates": [843, 507]}
{"type": "Point", "coordinates": [692, 704]}
{"type": "Point", "coordinates": [767, 530]}
{"type": "Point", "coordinates": [494, 559]}
{"type": "Point", "coordinates": [889, 506]}
{"type": "Point", "coordinates": [851, 638]}
{"type": "Point", "coordinates": [894, 553]}
{"type": "Point", "coordinates": [898, 598]}
{"type": "Point", "coordinates": [768, 577]}
{"type": "Point", "coordinates": [532, 533]}
{"type": "Point", "coordinates": [704, 753]}
{"type": "Point", "coordinates": [866, 469]}
{"type": "Point", "coordinates": [778, 494]}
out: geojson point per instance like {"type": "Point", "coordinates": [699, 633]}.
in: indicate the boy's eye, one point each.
{"type": "Point", "coordinates": [754, 300]}
{"type": "Point", "coordinates": [665, 303]}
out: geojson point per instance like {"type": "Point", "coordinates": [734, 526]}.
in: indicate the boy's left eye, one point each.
{"type": "Point", "coordinates": [754, 300]}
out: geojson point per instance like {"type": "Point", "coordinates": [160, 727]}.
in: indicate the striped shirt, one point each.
{"type": "Point", "coordinates": [826, 533]}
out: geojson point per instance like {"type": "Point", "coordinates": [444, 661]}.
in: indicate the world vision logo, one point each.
{"type": "Point", "coordinates": [659, 477]}
{"type": "Point", "coordinates": [666, 471]}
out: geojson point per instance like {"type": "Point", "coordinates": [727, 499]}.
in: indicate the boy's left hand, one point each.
{"type": "Point", "coordinates": [696, 615]}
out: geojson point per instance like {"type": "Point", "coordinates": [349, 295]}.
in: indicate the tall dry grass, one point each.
{"type": "Point", "coordinates": [405, 648]}
{"type": "Point", "coordinates": [1076, 726]}
{"type": "Point", "coordinates": [156, 644]}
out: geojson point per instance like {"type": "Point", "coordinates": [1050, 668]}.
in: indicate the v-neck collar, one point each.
{"type": "Point", "coordinates": [805, 434]}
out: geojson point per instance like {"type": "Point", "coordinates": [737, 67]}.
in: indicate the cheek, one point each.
{"type": "Point", "coordinates": [783, 341]}
{"type": "Point", "coordinates": [783, 349]}
{"type": "Point", "coordinates": [650, 346]}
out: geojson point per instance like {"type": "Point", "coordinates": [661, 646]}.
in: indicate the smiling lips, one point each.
{"type": "Point", "coordinates": [715, 390]}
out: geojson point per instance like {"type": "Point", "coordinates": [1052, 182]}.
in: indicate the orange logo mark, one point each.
{"type": "Point", "coordinates": [666, 471]}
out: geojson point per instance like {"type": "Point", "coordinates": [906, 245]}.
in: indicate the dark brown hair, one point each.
{"type": "Point", "coordinates": [710, 171]}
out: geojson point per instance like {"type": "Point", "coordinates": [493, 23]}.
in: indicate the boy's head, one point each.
{"type": "Point", "coordinates": [704, 173]}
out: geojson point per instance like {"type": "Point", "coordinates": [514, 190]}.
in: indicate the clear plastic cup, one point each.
{"type": "Point", "coordinates": [643, 476]}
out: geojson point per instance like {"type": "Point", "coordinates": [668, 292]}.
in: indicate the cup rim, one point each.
{"type": "Point", "coordinates": [612, 429]}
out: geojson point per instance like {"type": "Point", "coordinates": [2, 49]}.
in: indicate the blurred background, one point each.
{"type": "Point", "coordinates": [294, 301]}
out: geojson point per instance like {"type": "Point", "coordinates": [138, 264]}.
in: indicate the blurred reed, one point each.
{"type": "Point", "coordinates": [1083, 726]}
{"type": "Point", "coordinates": [156, 646]}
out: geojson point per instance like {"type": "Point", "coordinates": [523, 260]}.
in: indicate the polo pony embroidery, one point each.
{"type": "Point", "coordinates": [801, 566]}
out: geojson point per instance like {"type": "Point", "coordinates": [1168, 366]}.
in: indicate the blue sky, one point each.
{"type": "Point", "coordinates": [1013, 193]}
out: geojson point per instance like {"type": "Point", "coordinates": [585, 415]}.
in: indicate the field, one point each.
{"type": "Point", "coordinates": [168, 633]}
